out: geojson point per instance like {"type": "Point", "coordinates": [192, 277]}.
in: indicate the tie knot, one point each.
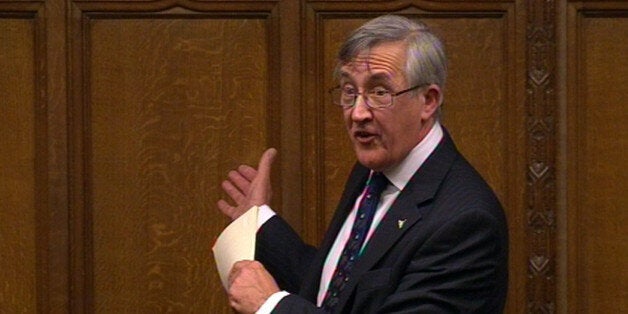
{"type": "Point", "coordinates": [377, 183]}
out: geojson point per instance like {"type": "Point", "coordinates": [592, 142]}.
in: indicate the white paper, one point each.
{"type": "Point", "coordinates": [236, 243]}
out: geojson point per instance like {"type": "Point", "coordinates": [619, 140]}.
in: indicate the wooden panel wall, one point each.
{"type": "Point", "coordinates": [164, 105]}
{"type": "Point", "coordinates": [157, 148]}
{"type": "Point", "coordinates": [597, 146]}
{"type": "Point", "coordinates": [119, 119]}
{"type": "Point", "coordinates": [18, 115]}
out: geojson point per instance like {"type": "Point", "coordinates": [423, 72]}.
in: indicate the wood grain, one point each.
{"type": "Point", "coordinates": [598, 175]}
{"type": "Point", "coordinates": [174, 104]}
{"type": "Point", "coordinates": [17, 166]}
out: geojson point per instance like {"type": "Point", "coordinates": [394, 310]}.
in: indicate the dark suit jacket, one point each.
{"type": "Point", "coordinates": [450, 256]}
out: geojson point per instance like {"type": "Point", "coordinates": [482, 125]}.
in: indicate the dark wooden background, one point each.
{"type": "Point", "coordinates": [119, 119]}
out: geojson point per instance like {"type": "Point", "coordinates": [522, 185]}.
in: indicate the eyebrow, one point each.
{"type": "Point", "coordinates": [380, 77]}
{"type": "Point", "coordinates": [377, 77]}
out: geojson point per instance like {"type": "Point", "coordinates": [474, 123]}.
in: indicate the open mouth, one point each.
{"type": "Point", "coordinates": [364, 136]}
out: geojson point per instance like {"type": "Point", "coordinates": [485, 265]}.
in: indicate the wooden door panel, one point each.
{"type": "Point", "coordinates": [169, 105]}
{"type": "Point", "coordinates": [597, 176]}
{"type": "Point", "coordinates": [18, 181]}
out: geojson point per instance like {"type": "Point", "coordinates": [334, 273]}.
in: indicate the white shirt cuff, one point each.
{"type": "Point", "coordinates": [264, 213]}
{"type": "Point", "coordinates": [271, 302]}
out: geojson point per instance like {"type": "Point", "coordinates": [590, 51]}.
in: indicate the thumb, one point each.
{"type": "Point", "coordinates": [265, 163]}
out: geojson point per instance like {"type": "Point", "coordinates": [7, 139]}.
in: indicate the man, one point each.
{"type": "Point", "coordinates": [435, 241]}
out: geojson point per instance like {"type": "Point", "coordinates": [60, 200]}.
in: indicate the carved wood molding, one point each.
{"type": "Point", "coordinates": [541, 107]}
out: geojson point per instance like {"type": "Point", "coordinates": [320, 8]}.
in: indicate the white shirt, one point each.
{"type": "Point", "coordinates": [398, 177]}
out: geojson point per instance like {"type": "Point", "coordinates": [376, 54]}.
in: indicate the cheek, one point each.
{"type": "Point", "coordinates": [391, 135]}
{"type": "Point", "coordinates": [403, 132]}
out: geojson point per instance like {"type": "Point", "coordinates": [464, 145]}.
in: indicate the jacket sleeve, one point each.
{"type": "Point", "coordinates": [280, 249]}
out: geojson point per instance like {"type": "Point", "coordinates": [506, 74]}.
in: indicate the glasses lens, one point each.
{"type": "Point", "coordinates": [379, 98]}
{"type": "Point", "coordinates": [340, 98]}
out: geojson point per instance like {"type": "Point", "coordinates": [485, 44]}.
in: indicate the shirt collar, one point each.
{"type": "Point", "coordinates": [400, 174]}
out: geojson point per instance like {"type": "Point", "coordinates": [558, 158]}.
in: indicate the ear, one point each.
{"type": "Point", "coordinates": [432, 96]}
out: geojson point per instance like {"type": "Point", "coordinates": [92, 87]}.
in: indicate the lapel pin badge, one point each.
{"type": "Point", "coordinates": [400, 223]}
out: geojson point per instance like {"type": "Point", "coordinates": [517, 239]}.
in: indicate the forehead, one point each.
{"type": "Point", "coordinates": [386, 60]}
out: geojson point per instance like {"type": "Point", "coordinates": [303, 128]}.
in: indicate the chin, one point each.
{"type": "Point", "coordinates": [372, 159]}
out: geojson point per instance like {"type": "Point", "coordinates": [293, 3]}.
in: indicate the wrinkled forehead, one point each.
{"type": "Point", "coordinates": [383, 60]}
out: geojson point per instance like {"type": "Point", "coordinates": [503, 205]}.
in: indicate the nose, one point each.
{"type": "Point", "coordinates": [361, 111]}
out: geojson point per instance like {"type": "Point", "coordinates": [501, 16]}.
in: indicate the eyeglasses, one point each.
{"type": "Point", "coordinates": [376, 98]}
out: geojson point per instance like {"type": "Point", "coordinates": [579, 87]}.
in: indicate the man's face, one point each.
{"type": "Point", "coordinates": [383, 137]}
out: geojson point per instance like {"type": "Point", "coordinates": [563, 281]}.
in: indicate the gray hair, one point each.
{"type": "Point", "coordinates": [426, 62]}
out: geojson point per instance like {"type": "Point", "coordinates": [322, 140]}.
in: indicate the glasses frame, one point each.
{"type": "Point", "coordinates": [366, 99]}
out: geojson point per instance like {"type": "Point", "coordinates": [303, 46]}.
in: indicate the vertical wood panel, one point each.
{"type": "Point", "coordinates": [32, 153]}
{"type": "Point", "coordinates": [174, 104]}
{"type": "Point", "coordinates": [17, 166]}
{"type": "Point", "coordinates": [164, 104]}
{"type": "Point", "coordinates": [53, 290]}
{"type": "Point", "coordinates": [598, 177]}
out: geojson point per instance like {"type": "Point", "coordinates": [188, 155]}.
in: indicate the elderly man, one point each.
{"type": "Point", "coordinates": [417, 229]}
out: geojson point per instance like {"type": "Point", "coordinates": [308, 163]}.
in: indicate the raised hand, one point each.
{"type": "Point", "coordinates": [248, 187]}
